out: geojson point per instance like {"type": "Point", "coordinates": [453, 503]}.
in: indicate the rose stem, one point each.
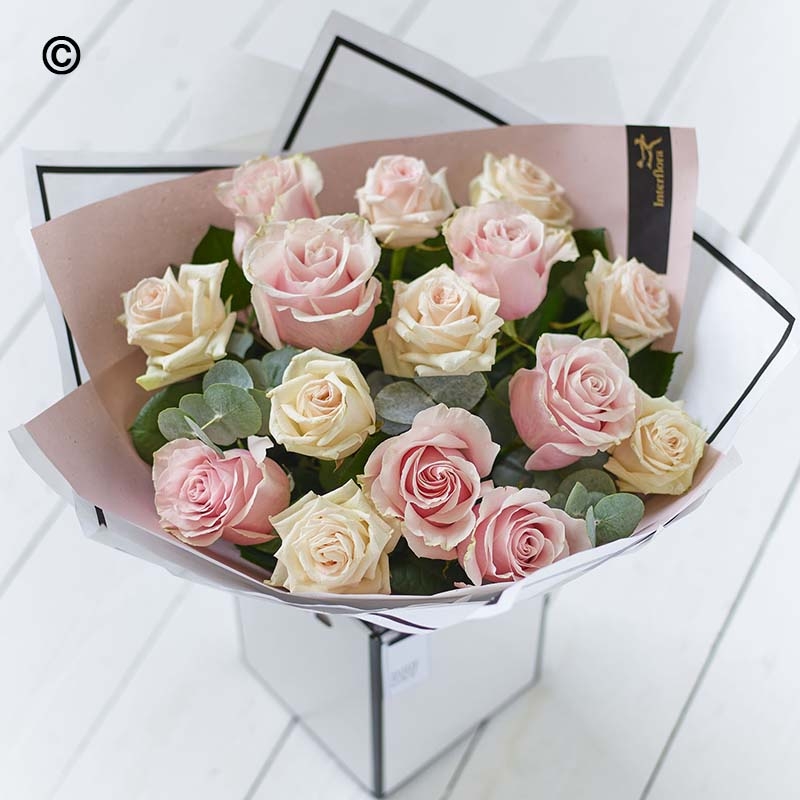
{"type": "Point", "coordinates": [396, 268]}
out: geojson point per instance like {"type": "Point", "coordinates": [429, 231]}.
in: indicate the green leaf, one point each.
{"type": "Point", "coordinates": [217, 245]}
{"type": "Point", "coordinates": [264, 405]}
{"type": "Point", "coordinates": [495, 411]}
{"type": "Point", "coordinates": [594, 480]}
{"type": "Point", "coordinates": [551, 309]}
{"type": "Point", "coordinates": [275, 364]}
{"type": "Point", "coordinates": [617, 516]}
{"type": "Point", "coordinates": [590, 239]}
{"type": "Point", "coordinates": [226, 413]}
{"type": "Point", "coordinates": [455, 391]}
{"type": "Point", "coordinates": [334, 474]}
{"type": "Point", "coordinates": [591, 526]}
{"type": "Point", "coordinates": [558, 500]}
{"type": "Point", "coordinates": [574, 282]}
{"type": "Point", "coordinates": [422, 258]}
{"type": "Point", "coordinates": [401, 402]}
{"type": "Point", "coordinates": [172, 424]}
{"type": "Point", "coordinates": [577, 501]}
{"type": "Point", "coordinates": [425, 576]}
{"type": "Point", "coordinates": [652, 370]}
{"type": "Point", "coordinates": [262, 555]}
{"type": "Point", "coordinates": [239, 343]}
{"type": "Point", "coordinates": [378, 380]}
{"type": "Point", "coordinates": [145, 434]}
{"type": "Point", "coordinates": [200, 434]}
{"type": "Point", "coordinates": [230, 372]}
{"type": "Point", "coordinates": [258, 373]}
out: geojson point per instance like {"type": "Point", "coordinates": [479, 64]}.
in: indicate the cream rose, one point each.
{"type": "Point", "coordinates": [181, 323]}
{"type": "Point", "coordinates": [336, 542]}
{"type": "Point", "coordinates": [322, 408]}
{"type": "Point", "coordinates": [440, 325]}
{"type": "Point", "coordinates": [629, 301]}
{"type": "Point", "coordinates": [663, 451]}
{"type": "Point", "coordinates": [404, 203]}
{"type": "Point", "coordinates": [517, 179]}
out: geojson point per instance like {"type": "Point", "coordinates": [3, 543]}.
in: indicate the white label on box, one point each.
{"type": "Point", "coordinates": [405, 664]}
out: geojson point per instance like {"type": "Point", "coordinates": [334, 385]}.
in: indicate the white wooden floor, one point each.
{"type": "Point", "coordinates": [673, 673]}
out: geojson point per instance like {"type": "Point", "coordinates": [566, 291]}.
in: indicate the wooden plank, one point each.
{"type": "Point", "coordinates": [289, 774]}
{"type": "Point", "coordinates": [461, 33]}
{"type": "Point", "coordinates": [192, 722]}
{"type": "Point", "coordinates": [72, 622]}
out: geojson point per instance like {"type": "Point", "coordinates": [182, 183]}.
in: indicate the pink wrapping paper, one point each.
{"type": "Point", "coordinates": [95, 253]}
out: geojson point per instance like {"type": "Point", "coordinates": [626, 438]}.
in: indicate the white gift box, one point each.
{"type": "Point", "coordinates": [385, 704]}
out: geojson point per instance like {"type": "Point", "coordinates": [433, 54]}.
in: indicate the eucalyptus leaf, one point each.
{"type": "Point", "coordinates": [426, 576]}
{"type": "Point", "coordinates": [617, 516]}
{"type": "Point", "coordinates": [393, 428]}
{"type": "Point", "coordinates": [228, 372]}
{"type": "Point", "coordinates": [258, 373]}
{"type": "Point", "coordinates": [455, 391]}
{"type": "Point", "coordinates": [378, 380]}
{"type": "Point", "coordinates": [591, 526]}
{"type": "Point", "coordinates": [401, 402]}
{"type": "Point", "coordinates": [557, 500]}
{"type": "Point", "coordinates": [264, 405]}
{"type": "Point", "coordinates": [172, 424]}
{"type": "Point", "coordinates": [594, 480]}
{"type": "Point", "coordinates": [226, 413]}
{"type": "Point", "coordinates": [239, 343]}
{"type": "Point", "coordinates": [577, 501]}
{"type": "Point", "coordinates": [200, 434]}
{"type": "Point", "coordinates": [145, 434]}
{"type": "Point", "coordinates": [275, 364]}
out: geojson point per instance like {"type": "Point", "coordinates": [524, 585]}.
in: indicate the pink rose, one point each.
{"type": "Point", "coordinates": [202, 496]}
{"type": "Point", "coordinates": [579, 399]}
{"type": "Point", "coordinates": [516, 534]}
{"type": "Point", "coordinates": [506, 252]}
{"type": "Point", "coordinates": [270, 189]}
{"type": "Point", "coordinates": [430, 477]}
{"type": "Point", "coordinates": [312, 281]}
{"type": "Point", "coordinates": [404, 202]}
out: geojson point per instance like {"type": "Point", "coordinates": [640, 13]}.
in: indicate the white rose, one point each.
{"type": "Point", "coordinates": [336, 542]}
{"type": "Point", "coordinates": [629, 301]}
{"type": "Point", "coordinates": [404, 203]}
{"type": "Point", "coordinates": [181, 323]}
{"type": "Point", "coordinates": [440, 325]}
{"type": "Point", "coordinates": [322, 408]}
{"type": "Point", "coordinates": [515, 178]}
{"type": "Point", "coordinates": [663, 451]}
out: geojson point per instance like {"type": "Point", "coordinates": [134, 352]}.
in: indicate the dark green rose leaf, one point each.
{"type": "Point", "coordinates": [652, 370]}
{"type": "Point", "coordinates": [217, 245]}
{"type": "Point", "coordinates": [591, 239]}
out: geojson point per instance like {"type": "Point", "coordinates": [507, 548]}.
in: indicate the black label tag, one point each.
{"type": "Point", "coordinates": [649, 194]}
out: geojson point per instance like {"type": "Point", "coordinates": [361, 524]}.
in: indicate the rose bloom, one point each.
{"type": "Point", "coordinates": [322, 408]}
{"type": "Point", "coordinates": [430, 477]}
{"type": "Point", "coordinates": [578, 400]}
{"type": "Point", "coordinates": [336, 542]}
{"type": "Point", "coordinates": [629, 300]}
{"type": "Point", "coordinates": [202, 496]}
{"type": "Point", "coordinates": [440, 325]}
{"type": "Point", "coordinates": [181, 323]}
{"type": "Point", "coordinates": [404, 202]}
{"type": "Point", "coordinates": [506, 252]}
{"type": "Point", "coordinates": [313, 283]}
{"type": "Point", "coordinates": [517, 179]}
{"type": "Point", "coordinates": [663, 451]}
{"type": "Point", "coordinates": [516, 534]}
{"type": "Point", "coordinates": [266, 189]}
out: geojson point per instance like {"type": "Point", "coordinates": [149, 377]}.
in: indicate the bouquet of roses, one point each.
{"type": "Point", "coordinates": [411, 397]}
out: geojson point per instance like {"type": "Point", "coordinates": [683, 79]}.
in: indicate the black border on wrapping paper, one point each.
{"type": "Point", "coordinates": [41, 171]}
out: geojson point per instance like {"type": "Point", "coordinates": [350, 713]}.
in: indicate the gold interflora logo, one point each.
{"type": "Point", "coordinates": [651, 157]}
